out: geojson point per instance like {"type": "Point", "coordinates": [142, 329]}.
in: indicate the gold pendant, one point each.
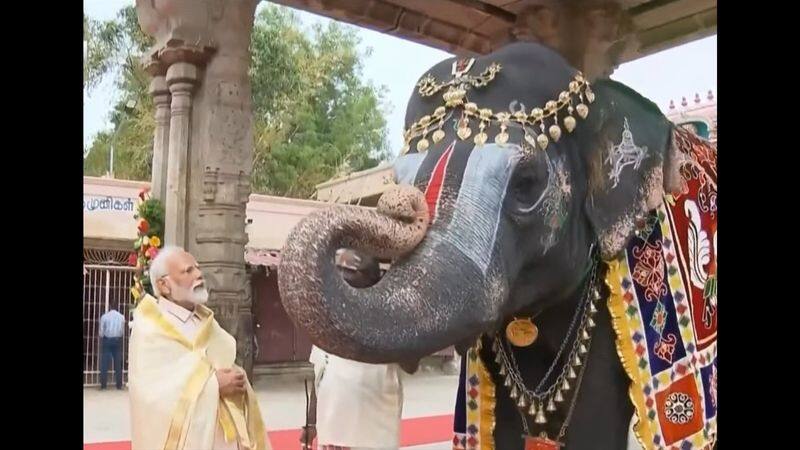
{"type": "Point", "coordinates": [501, 138]}
{"type": "Point", "coordinates": [464, 132]}
{"type": "Point", "coordinates": [522, 332]}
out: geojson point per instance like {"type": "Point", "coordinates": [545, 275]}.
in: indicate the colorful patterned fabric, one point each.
{"type": "Point", "coordinates": [664, 306]}
{"type": "Point", "coordinates": [475, 402]}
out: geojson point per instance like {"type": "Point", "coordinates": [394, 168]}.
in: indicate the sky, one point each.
{"type": "Point", "coordinates": [397, 64]}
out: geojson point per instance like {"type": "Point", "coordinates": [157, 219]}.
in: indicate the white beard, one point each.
{"type": "Point", "coordinates": [197, 296]}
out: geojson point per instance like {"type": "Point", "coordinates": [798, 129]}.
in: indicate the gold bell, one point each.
{"type": "Point", "coordinates": [514, 394]}
{"type": "Point", "coordinates": [540, 419]}
{"type": "Point", "coordinates": [571, 374]}
{"type": "Point", "coordinates": [551, 406]}
{"type": "Point", "coordinates": [532, 409]}
{"type": "Point", "coordinates": [559, 398]}
{"type": "Point", "coordinates": [507, 382]}
{"type": "Point", "coordinates": [521, 403]}
{"type": "Point", "coordinates": [422, 145]}
{"type": "Point", "coordinates": [438, 135]}
{"type": "Point", "coordinates": [565, 385]}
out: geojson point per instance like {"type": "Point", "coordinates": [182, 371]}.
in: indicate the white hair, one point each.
{"type": "Point", "coordinates": [158, 266]}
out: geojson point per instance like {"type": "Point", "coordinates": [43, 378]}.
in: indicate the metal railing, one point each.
{"type": "Point", "coordinates": [102, 285]}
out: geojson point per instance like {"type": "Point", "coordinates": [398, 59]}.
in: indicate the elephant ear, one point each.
{"type": "Point", "coordinates": [626, 152]}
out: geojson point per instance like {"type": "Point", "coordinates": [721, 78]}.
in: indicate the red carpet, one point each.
{"type": "Point", "coordinates": [416, 431]}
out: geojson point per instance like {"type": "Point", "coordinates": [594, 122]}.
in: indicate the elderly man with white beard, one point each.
{"type": "Point", "coordinates": [185, 391]}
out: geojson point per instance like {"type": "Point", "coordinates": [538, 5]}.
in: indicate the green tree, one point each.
{"type": "Point", "coordinates": [314, 116]}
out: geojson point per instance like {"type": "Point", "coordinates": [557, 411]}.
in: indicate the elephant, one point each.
{"type": "Point", "coordinates": [480, 233]}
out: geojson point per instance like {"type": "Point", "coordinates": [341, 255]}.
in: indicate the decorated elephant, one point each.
{"type": "Point", "coordinates": [561, 234]}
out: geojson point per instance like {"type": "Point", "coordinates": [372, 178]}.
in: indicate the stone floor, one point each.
{"type": "Point", "coordinates": [282, 400]}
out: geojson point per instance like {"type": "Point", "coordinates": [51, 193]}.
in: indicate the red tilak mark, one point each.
{"type": "Point", "coordinates": [434, 189]}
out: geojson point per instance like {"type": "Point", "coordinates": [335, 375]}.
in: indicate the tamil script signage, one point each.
{"type": "Point", "coordinates": [98, 203]}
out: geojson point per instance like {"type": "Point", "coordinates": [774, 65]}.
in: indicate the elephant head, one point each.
{"type": "Point", "coordinates": [478, 232]}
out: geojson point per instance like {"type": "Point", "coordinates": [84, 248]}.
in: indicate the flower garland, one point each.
{"type": "Point", "coordinates": [150, 226]}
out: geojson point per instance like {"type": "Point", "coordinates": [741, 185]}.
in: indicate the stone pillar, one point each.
{"type": "Point", "coordinates": [590, 34]}
{"type": "Point", "coordinates": [161, 98]}
{"type": "Point", "coordinates": [181, 79]}
{"type": "Point", "coordinates": [205, 45]}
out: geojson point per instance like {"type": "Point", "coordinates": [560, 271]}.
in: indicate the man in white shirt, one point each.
{"type": "Point", "coordinates": [354, 405]}
{"type": "Point", "coordinates": [185, 391]}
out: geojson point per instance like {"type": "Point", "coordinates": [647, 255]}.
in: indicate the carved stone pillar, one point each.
{"type": "Point", "coordinates": [161, 98]}
{"type": "Point", "coordinates": [590, 34]}
{"type": "Point", "coordinates": [181, 79]}
{"type": "Point", "coordinates": [205, 45]}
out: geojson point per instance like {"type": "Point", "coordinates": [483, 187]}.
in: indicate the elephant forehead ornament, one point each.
{"type": "Point", "coordinates": [455, 98]}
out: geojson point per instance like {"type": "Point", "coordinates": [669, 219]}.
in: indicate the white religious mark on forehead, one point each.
{"type": "Point", "coordinates": [624, 154]}
{"type": "Point", "coordinates": [477, 210]}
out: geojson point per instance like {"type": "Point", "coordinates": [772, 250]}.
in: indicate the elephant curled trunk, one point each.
{"type": "Point", "coordinates": [411, 312]}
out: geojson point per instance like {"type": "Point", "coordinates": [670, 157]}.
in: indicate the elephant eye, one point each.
{"type": "Point", "coordinates": [526, 190]}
